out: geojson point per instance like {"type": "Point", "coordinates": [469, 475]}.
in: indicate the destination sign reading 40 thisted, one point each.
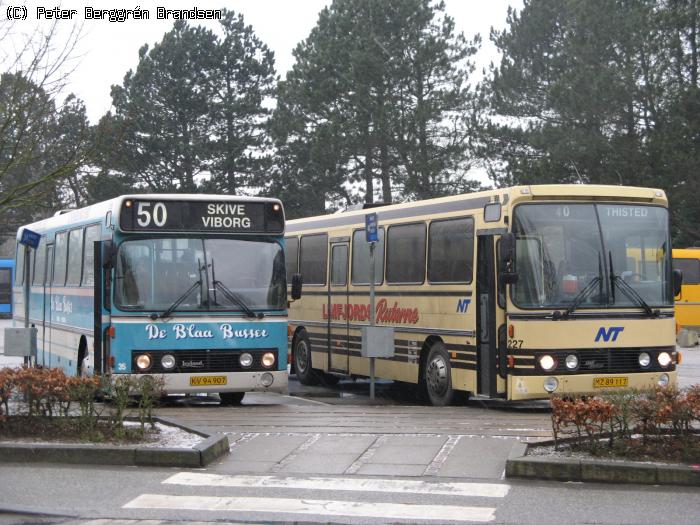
{"type": "Point", "coordinates": [202, 216]}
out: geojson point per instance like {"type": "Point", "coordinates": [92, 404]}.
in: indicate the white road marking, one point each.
{"type": "Point", "coordinates": [482, 490]}
{"type": "Point", "coordinates": [397, 511]}
{"type": "Point", "coordinates": [441, 457]}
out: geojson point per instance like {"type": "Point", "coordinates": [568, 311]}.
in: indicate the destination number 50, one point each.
{"type": "Point", "coordinates": [144, 216]}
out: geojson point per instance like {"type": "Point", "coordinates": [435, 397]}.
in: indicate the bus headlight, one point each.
{"type": "Point", "coordinates": [168, 361]}
{"type": "Point", "coordinates": [664, 359]}
{"type": "Point", "coordinates": [268, 359]}
{"type": "Point", "coordinates": [266, 379]}
{"type": "Point", "coordinates": [572, 362]}
{"type": "Point", "coordinates": [551, 384]}
{"type": "Point", "coordinates": [663, 380]}
{"type": "Point", "coordinates": [644, 359]}
{"type": "Point", "coordinates": [143, 362]}
{"type": "Point", "coordinates": [547, 362]}
{"type": "Point", "coordinates": [245, 360]}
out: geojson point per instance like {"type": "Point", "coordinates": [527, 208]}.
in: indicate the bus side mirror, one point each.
{"type": "Point", "coordinates": [677, 282]}
{"type": "Point", "coordinates": [506, 259]}
{"type": "Point", "coordinates": [297, 282]}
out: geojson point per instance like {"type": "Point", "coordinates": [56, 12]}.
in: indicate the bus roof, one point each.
{"type": "Point", "coordinates": [100, 209]}
{"type": "Point", "coordinates": [476, 200]}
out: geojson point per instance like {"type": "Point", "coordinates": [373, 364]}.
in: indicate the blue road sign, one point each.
{"type": "Point", "coordinates": [30, 238]}
{"type": "Point", "coordinates": [371, 223]}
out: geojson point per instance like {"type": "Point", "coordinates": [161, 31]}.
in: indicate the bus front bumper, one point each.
{"type": "Point", "coordinates": [270, 381]}
{"type": "Point", "coordinates": [532, 387]}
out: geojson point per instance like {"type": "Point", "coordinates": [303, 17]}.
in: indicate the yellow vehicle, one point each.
{"type": "Point", "coordinates": [688, 301]}
{"type": "Point", "coordinates": [514, 293]}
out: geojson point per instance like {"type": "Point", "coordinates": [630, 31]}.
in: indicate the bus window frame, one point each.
{"type": "Point", "coordinates": [352, 252]}
{"type": "Point", "coordinates": [296, 262]}
{"type": "Point", "coordinates": [81, 236]}
{"type": "Point", "coordinates": [299, 255]}
{"type": "Point", "coordinates": [425, 254]}
{"type": "Point", "coordinates": [473, 239]}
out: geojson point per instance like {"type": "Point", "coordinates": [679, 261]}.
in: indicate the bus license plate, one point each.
{"type": "Point", "coordinates": [610, 382]}
{"type": "Point", "coordinates": [208, 380]}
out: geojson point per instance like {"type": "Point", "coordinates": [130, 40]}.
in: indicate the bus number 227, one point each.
{"type": "Point", "coordinates": [144, 215]}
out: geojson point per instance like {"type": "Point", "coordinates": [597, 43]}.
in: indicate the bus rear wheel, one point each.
{"type": "Point", "coordinates": [437, 376]}
{"type": "Point", "coordinates": [231, 398]}
{"type": "Point", "coordinates": [301, 353]}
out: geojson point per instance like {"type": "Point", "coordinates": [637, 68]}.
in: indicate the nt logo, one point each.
{"type": "Point", "coordinates": [610, 334]}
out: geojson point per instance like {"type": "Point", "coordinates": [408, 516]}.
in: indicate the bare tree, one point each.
{"type": "Point", "coordinates": [35, 63]}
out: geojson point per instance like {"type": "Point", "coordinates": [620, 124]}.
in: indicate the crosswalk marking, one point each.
{"type": "Point", "coordinates": [483, 490]}
{"type": "Point", "coordinates": [399, 511]}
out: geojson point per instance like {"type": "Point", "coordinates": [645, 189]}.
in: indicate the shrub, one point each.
{"type": "Point", "coordinates": [656, 422]}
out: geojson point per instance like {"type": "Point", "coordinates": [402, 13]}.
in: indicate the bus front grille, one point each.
{"type": "Point", "coordinates": [205, 360]}
{"type": "Point", "coordinates": [591, 361]}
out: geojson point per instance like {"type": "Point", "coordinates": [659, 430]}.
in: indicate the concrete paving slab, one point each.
{"type": "Point", "coordinates": [397, 454]}
{"type": "Point", "coordinates": [385, 469]}
{"type": "Point", "coordinates": [474, 458]}
{"type": "Point", "coordinates": [319, 464]}
{"type": "Point", "coordinates": [332, 443]}
{"type": "Point", "coordinates": [233, 466]}
{"type": "Point", "coordinates": [268, 448]}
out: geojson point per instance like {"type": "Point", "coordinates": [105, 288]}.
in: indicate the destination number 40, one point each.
{"type": "Point", "coordinates": [144, 215]}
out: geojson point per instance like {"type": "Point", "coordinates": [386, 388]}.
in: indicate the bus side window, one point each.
{"type": "Point", "coordinates": [360, 258]}
{"type": "Point", "coordinates": [690, 269]}
{"type": "Point", "coordinates": [291, 256]}
{"type": "Point", "coordinates": [75, 257]}
{"type": "Point", "coordinates": [92, 234]}
{"type": "Point", "coordinates": [19, 265]}
{"type": "Point", "coordinates": [451, 251]}
{"type": "Point", "coordinates": [40, 265]}
{"type": "Point", "coordinates": [60, 259]}
{"type": "Point", "coordinates": [405, 254]}
{"type": "Point", "coordinates": [313, 260]}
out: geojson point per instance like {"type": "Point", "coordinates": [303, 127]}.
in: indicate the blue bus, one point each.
{"type": "Point", "coordinates": [190, 288]}
{"type": "Point", "coordinates": [7, 269]}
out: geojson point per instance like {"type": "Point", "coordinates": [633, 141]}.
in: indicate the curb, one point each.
{"type": "Point", "coordinates": [520, 465]}
{"type": "Point", "coordinates": [211, 448]}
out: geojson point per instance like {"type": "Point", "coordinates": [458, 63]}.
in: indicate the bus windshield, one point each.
{"type": "Point", "coordinates": [153, 274]}
{"type": "Point", "coordinates": [591, 255]}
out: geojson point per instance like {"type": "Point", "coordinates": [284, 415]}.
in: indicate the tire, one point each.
{"type": "Point", "coordinates": [436, 380]}
{"type": "Point", "coordinates": [231, 398]}
{"type": "Point", "coordinates": [83, 368]}
{"type": "Point", "coordinates": [301, 353]}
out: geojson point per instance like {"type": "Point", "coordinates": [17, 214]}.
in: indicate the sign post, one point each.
{"type": "Point", "coordinates": [371, 223]}
{"type": "Point", "coordinates": [30, 240]}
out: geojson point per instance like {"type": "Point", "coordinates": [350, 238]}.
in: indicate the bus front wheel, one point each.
{"type": "Point", "coordinates": [437, 376]}
{"type": "Point", "coordinates": [231, 398]}
{"type": "Point", "coordinates": [301, 353]}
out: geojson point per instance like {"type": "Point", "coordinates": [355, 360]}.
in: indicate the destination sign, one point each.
{"type": "Point", "coordinates": [201, 216]}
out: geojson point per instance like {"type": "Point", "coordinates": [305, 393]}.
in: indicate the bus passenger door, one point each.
{"type": "Point", "coordinates": [102, 304]}
{"type": "Point", "coordinates": [338, 336]}
{"type": "Point", "coordinates": [487, 317]}
{"type": "Point", "coordinates": [46, 308]}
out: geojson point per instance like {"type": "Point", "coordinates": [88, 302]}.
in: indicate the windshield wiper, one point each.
{"type": "Point", "coordinates": [628, 291]}
{"type": "Point", "coordinates": [235, 298]}
{"type": "Point", "coordinates": [177, 302]}
{"type": "Point", "coordinates": [580, 297]}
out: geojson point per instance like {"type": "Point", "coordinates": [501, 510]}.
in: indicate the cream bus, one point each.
{"type": "Point", "coordinates": [514, 293]}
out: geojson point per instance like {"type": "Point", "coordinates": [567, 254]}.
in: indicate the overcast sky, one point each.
{"type": "Point", "coordinates": [107, 50]}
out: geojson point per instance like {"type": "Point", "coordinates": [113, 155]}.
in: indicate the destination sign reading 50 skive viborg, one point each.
{"type": "Point", "coordinates": [202, 216]}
